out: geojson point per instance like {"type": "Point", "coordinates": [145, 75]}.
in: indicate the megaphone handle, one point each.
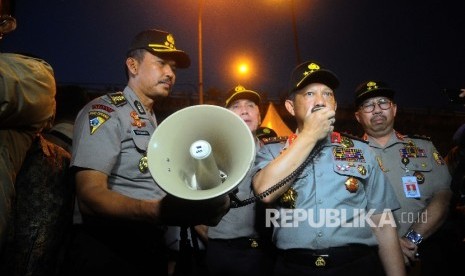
{"type": "Point", "coordinates": [194, 237]}
{"type": "Point", "coordinates": [236, 203]}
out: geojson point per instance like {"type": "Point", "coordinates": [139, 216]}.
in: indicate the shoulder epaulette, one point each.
{"type": "Point", "coordinates": [273, 140]}
{"type": "Point", "coordinates": [417, 136]}
{"type": "Point", "coordinates": [353, 137]}
{"type": "Point", "coordinates": [117, 98]}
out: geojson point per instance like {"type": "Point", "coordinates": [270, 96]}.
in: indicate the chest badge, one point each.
{"type": "Point", "coordinates": [405, 161]}
{"type": "Point", "coordinates": [361, 169]}
{"type": "Point", "coordinates": [288, 199]}
{"type": "Point", "coordinates": [137, 121]}
{"type": "Point", "coordinates": [420, 177]}
{"type": "Point", "coordinates": [143, 164]}
{"type": "Point", "coordinates": [351, 184]}
{"type": "Point", "coordinates": [320, 262]}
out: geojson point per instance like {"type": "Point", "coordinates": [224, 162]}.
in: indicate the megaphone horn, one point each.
{"type": "Point", "coordinates": [200, 152]}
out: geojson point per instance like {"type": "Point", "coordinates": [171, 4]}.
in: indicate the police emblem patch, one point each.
{"type": "Point", "coordinates": [96, 119]}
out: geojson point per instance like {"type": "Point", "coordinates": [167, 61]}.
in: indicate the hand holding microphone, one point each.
{"type": "Point", "coordinates": [320, 121]}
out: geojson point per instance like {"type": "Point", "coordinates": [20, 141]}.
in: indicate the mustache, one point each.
{"type": "Point", "coordinates": [317, 107]}
{"type": "Point", "coordinates": [166, 80]}
{"type": "Point", "coordinates": [377, 117]}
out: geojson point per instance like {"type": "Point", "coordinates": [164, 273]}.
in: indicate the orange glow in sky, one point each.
{"type": "Point", "coordinates": [243, 68]}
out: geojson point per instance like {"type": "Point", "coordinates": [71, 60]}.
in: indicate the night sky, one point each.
{"type": "Point", "coordinates": [418, 47]}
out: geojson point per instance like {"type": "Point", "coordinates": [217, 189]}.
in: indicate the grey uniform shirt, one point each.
{"type": "Point", "coordinates": [238, 222]}
{"type": "Point", "coordinates": [111, 135]}
{"type": "Point", "coordinates": [322, 193]}
{"type": "Point", "coordinates": [423, 160]}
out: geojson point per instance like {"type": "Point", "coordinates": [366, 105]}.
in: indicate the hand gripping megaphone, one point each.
{"type": "Point", "coordinates": [200, 152]}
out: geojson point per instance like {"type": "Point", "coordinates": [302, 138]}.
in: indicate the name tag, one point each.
{"type": "Point", "coordinates": [410, 184]}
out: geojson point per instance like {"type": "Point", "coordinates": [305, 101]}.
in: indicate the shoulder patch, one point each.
{"type": "Point", "coordinates": [117, 98]}
{"type": "Point", "coordinates": [337, 138]}
{"type": "Point", "coordinates": [400, 136]}
{"type": "Point", "coordinates": [422, 137]}
{"type": "Point", "coordinates": [274, 140]}
{"type": "Point", "coordinates": [103, 107]}
{"type": "Point", "coordinates": [438, 158]}
{"type": "Point", "coordinates": [96, 119]}
{"type": "Point", "coordinates": [353, 137]}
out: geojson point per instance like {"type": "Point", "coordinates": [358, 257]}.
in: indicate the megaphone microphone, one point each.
{"type": "Point", "coordinates": [206, 174]}
{"type": "Point", "coordinates": [200, 152]}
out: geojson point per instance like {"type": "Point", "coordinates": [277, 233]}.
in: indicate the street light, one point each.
{"type": "Point", "coordinates": [294, 29]}
{"type": "Point", "coordinates": [200, 52]}
{"type": "Point", "coordinates": [242, 68]}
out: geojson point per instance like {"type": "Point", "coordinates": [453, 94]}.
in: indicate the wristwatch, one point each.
{"type": "Point", "coordinates": [414, 237]}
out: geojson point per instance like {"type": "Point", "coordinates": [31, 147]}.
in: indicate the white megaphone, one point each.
{"type": "Point", "coordinates": [200, 152]}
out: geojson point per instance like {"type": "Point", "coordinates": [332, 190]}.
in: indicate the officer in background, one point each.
{"type": "Point", "coordinates": [326, 183]}
{"type": "Point", "coordinates": [417, 173]}
{"type": "Point", "coordinates": [239, 244]}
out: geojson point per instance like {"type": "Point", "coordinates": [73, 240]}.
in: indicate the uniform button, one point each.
{"type": "Point", "coordinates": [320, 234]}
{"type": "Point", "coordinates": [319, 174]}
{"type": "Point", "coordinates": [320, 201]}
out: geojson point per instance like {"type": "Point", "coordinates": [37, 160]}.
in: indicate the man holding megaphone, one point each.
{"type": "Point", "coordinates": [124, 210]}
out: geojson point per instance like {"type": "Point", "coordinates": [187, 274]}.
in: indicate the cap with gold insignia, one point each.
{"type": "Point", "coordinates": [240, 92]}
{"type": "Point", "coordinates": [161, 44]}
{"type": "Point", "coordinates": [312, 72]}
{"type": "Point", "coordinates": [370, 89]}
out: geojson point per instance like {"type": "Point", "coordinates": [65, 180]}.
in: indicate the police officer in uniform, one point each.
{"type": "Point", "coordinates": [328, 182]}
{"type": "Point", "coordinates": [124, 211]}
{"type": "Point", "coordinates": [239, 244]}
{"type": "Point", "coordinates": [416, 170]}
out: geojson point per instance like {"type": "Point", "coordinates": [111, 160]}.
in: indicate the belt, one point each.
{"type": "Point", "coordinates": [242, 243]}
{"type": "Point", "coordinates": [329, 257]}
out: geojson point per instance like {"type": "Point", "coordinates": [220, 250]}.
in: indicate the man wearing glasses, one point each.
{"type": "Point", "coordinates": [416, 171]}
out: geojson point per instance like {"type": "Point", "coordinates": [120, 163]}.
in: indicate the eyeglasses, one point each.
{"type": "Point", "coordinates": [384, 104]}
